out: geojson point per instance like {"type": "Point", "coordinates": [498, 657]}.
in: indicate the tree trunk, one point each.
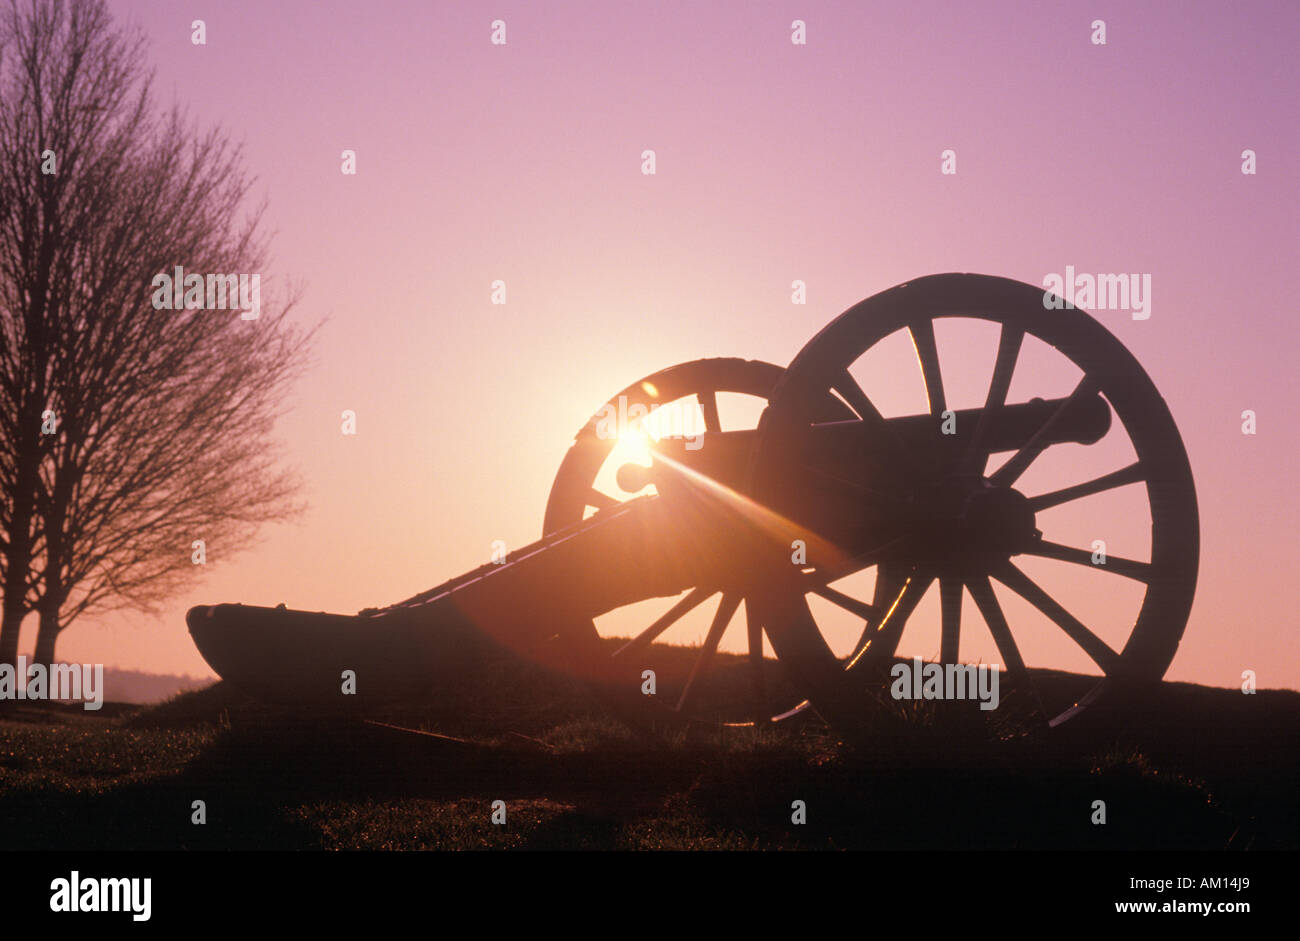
{"type": "Point", "coordinates": [19, 550]}
{"type": "Point", "coordinates": [15, 587]}
{"type": "Point", "coordinates": [10, 624]}
{"type": "Point", "coordinates": [46, 634]}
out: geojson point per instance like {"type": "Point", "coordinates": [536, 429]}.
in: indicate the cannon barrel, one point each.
{"type": "Point", "coordinates": [849, 447]}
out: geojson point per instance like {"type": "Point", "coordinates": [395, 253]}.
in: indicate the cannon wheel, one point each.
{"type": "Point", "coordinates": [574, 493]}
{"type": "Point", "coordinates": [850, 691]}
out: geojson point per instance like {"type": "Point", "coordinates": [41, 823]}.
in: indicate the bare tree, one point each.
{"type": "Point", "coordinates": [130, 430]}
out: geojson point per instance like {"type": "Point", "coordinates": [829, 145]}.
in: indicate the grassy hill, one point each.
{"type": "Point", "coordinates": [1191, 768]}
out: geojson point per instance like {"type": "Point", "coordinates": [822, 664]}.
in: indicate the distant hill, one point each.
{"type": "Point", "coordinates": [133, 686]}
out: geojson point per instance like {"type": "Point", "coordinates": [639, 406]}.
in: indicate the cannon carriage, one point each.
{"type": "Point", "coordinates": [776, 519]}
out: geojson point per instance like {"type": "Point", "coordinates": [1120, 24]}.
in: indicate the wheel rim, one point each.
{"type": "Point", "coordinates": [841, 687]}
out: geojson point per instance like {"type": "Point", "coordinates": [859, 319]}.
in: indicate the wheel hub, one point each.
{"type": "Point", "coordinates": [967, 525]}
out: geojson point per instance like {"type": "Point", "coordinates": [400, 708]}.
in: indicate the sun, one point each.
{"type": "Point", "coordinates": [631, 448]}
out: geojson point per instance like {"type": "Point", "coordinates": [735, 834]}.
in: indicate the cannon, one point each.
{"type": "Point", "coordinates": [822, 494]}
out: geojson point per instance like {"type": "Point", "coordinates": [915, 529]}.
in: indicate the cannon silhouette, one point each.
{"type": "Point", "coordinates": [772, 517]}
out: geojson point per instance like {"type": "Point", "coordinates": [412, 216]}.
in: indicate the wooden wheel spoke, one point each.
{"type": "Point", "coordinates": [755, 631]}
{"type": "Point", "coordinates": [858, 400]}
{"type": "Point", "coordinates": [1010, 472]}
{"type": "Point", "coordinates": [881, 640]}
{"type": "Point", "coordinates": [863, 610]}
{"type": "Point", "coordinates": [889, 585]}
{"type": "Point", "coordinates": [1009, 342]}
{"type": "Point", "coordinates": [709, 405]}
{"type": "Point", "coordinates": [927, 352]}
{"type": "Point", "coordinates": [848, 387]}
{"type": "Point", "coordinates": [665, 621]}
{"type": "Point", "coordinates": [1092, 645]}
{"type": "Point", "coordinates": [721, 618]}
{"type": "Point", "coordinates": [1128, 475]}
{"type": "Point", "coordinates": [1139, 571]}
{"type": "Point", "coordinates": [888, 588]}
{"type": "Point", "coordinates": [981, 590]}
{"type": "Point", "coordinates": [950, 606]}
{"type": "Point", "coordinates": [601, 501]}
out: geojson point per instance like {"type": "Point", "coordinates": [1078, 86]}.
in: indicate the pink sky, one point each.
{"type": "Point", "coordinates": [775, 162]}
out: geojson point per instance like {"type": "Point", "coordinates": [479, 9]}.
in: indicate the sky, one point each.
{"type": "Point", "coordinates": [775, 161]}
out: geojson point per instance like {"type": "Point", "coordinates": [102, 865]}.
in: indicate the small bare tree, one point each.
{"type": "Point", "coordinates": [131, 431]}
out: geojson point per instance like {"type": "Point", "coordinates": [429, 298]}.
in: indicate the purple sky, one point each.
{"type": "Point", "coordinates": [775, 162]}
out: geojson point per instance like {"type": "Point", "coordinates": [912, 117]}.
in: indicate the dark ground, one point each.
{"type": "Point", "coordinates": [1191, 768]}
